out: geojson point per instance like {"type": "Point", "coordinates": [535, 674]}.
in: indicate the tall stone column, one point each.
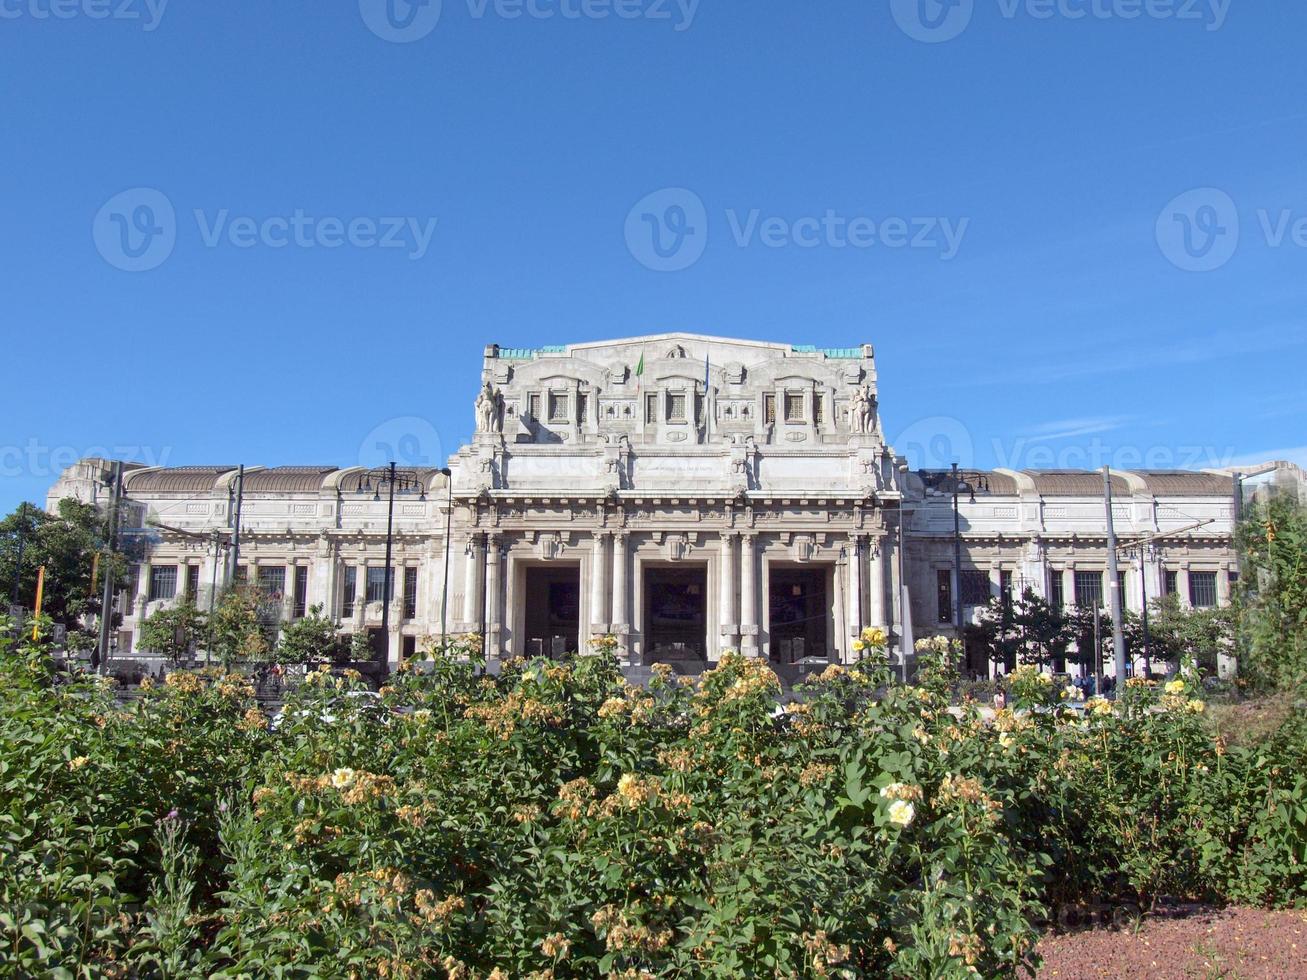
{"type": "Point", "coordinates": [288, 594]}
{"type": "Point", "coordinates": [361, 593]}
{"type": "Point", "coordinates": [856, 613]}
{"type": "Point", "coordinates": [494, 590]}
{"type": "Point", "coordinates": [621, 620]}
{"type": "Point", "coordinates": [749, 595]}
{"type": "Point", "coordinates": [730, 628]}
{"type": "Point", "coordinates": [599, 584]}
{"type": "Point", "coordinates": [142, 597]}
{"type": "Point", "coordinates": [472, 585]}
{"type": "Point", "coordinates": [876, 608]}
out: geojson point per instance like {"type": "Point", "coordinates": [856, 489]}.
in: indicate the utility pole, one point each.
{"type": "Point", "coordinates": [957, 554]}
{"type": "Point", "coordinates": [236, 530]}
{"type": "Point", "coordinates": [101, 659]}
{"type": "Point", "coordinates": [1114, 584]}
{"type": "Point", "coordinates": [444, 592]}
{"type": "Point", "coordinates": [385, 595]}
{"type": "Point", "coordinates": [902, 597]}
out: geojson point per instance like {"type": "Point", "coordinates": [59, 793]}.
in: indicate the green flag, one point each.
{"type": "Point", "coordinates": [639, 370]}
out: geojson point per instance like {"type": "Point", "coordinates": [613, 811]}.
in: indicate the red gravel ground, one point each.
{"type": "Point", "coordinates": [1247, 944]}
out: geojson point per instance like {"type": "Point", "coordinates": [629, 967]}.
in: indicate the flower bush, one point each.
{"type": "Point", "coordinates": [556, 821]}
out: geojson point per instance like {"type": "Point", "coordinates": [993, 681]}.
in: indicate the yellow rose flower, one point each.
{"type": "Point", "coordinates": [1175, 687]}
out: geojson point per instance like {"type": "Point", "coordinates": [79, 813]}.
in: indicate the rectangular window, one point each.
{"type": "Point", "coordinates": [818, 412]}
{"type": "Point", "coordinates": [408, 647]}
{"type": "Point", "coordinates": [163, 582]}
{"type": "Point", "coordinates": [793, 407]}
{"type": "Point", "coordinates": [410, 593]}
{"type": "Point", "coordinates": [193, 581]}
{"type": "Point", "coordinates": [650, 409]}
{"type": "Point", "coordinates": [377, 584]}
{"type": "Point", "coordinates": [241, 575]}
{"type": "Point", "coordinates": [1170, 582]}
{"type": "Point", "coordinates": [975, 587]}
{"type": "Point", "coordinates": [533, 405]}
{"type": "Point", "coordinates": [557, 407]}
{"type": "Point", "coordinates": [1005, 585]}
{"type": "Point", "coordinates": [1202, 590]}
{"type": "Point", "coordinates": [301, 591]}
{"type": "Point", "coordinates": [580, 409]}
{"type": "Point", "coordinates": [675, 408]}
{"type": "Point", "coordinates": [1089, 589]}
{"type": "Point", "coordinates": [944, 593]}
{"type": "Point", "coordinates": [1234, 579]}
{"type": "Point", "coordinates": [769, 409]}
{"type": "Point", "coordinates": [272, 580]}
{"type": "Point", "coordinates": [348, 590]}
{"type": "Point", "coordinates": [1056, 593]}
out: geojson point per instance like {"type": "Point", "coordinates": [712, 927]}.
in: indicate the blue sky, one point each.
{"type": "Point", "coordinates": [1075, 236]}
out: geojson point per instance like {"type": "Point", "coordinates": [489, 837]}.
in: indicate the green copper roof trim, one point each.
{"type": "Point", "coordinates": [516, 353]}
{"type": "Point", "coordinates": [554, 349]}
{"type": "Point", "coordinates": [835, 353]}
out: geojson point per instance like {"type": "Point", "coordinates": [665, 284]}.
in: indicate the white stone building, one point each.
{"type": "Point", "coordinates": [687, 494]}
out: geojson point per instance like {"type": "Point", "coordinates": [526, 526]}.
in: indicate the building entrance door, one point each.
{"type": "Point", "coordinates": [675, 614]}
{"type": "Point", "coordinates": [799, 610]}
{"type": "Point", "coordinates": [553, 610]}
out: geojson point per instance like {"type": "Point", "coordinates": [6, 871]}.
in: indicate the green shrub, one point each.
{"type": "Point", "coordinates": [554, 821]}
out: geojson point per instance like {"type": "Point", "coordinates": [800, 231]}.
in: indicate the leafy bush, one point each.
{"type": "Point", "coordinates": [555, 821]}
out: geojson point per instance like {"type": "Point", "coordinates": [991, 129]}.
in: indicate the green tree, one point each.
{"type": "Point", "coordinates": [236, 630]}
{"type": "Point", "coordinates": [1272, 600]}
{"type": "Point", "coordinates": [1027, 629]}
{"type": "Point", "coordinates": [66, 545]}
{"type": "Point", "coordinates": [174, 631]}
{"type": "Point", "coordinates": [1174, 631]}
{"type": "Point", "coordinates": [316, 638]}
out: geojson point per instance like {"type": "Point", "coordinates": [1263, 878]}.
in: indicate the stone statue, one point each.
{"type": "Point", "coordinates": [487, 410]}
{"type": "Point", "coordinates": [860, 414]}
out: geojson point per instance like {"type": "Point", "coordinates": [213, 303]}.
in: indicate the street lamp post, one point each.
{"type": "Point", "coordinates": [404, 483]}
{"type": "Point", "coordinates": [444, 592]}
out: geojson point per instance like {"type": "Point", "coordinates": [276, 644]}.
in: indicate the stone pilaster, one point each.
{"type": "Point", "coordinates": [730, 629]}
{"type": "Point", "coordinates": [749, 594]}
{"type": "Point", "coordinates": [621, 619]}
